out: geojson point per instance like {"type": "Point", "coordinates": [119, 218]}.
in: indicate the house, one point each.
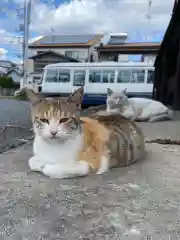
{"type": "Point", "coordinates": [3, 71]}
{"type": "Point", "coordinates": [15, 75]}
{"type": "Point", "coordinates": [40, 60]}
{"type": "Point", "coordinates": [36, 64]}
{"type": "Point", "coordinates": [112, 39]}
{"type": "Point", "coordinates": [10, 69]}
{"type": "Point", "coordinates": [119, 51]}
{"type": "Point", "coordinates": [79, 47]}
{"type": "Point", "coordinates": [6, 65]}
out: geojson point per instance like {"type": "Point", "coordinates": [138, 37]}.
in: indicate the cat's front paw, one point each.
{"type": "Point", "coordinates": [61, 171]}
{"type": "Point", "coordinates": [35, 164]}
{"type": "Point", "coordinates": [54, 171]}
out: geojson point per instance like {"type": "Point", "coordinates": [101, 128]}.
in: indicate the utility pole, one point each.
{"type": "Point", "coordinates": [27, 19]}
{"type": "Point", "coordinates": [148, 19]}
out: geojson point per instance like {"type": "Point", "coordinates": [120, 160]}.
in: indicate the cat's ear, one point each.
{"type": "Point", "coordinates": [33, 97]}
{"type": "Point", "coordinates": [76, 96]}
{"type": "Point", "coordinates": [109, 91]}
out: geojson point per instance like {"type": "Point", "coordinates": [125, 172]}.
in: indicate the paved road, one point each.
{"type": "Point", "coordinates": [14, 113]}
{"type": "Point", "coordinates": [128, 203]}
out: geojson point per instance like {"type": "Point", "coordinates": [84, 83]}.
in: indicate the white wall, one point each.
{"type": "Point", "coordinates": [123, 58]}
{"type": "Point", "coordinates": [60, 51]}
{"type": "Point", "coordinates": [149, 58]}
{"type": "Point", "coordinates": [85, 52]}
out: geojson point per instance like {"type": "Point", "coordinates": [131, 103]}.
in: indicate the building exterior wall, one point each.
{"type": "Point", "coordinates": [41, 61]}
{"type": "Point", "coordinates": [150, 58]}
{"type": "Point", "coordinates": [83, 53]}
{"type": "Point", "coordinates": [108, 56]}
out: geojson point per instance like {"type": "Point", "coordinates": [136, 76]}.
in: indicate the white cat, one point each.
{"type": "Point", "coordinates": [138, 109]}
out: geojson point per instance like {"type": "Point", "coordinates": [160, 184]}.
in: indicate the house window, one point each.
{"type": "Point", "coordinates": [150, 76]}
{"type": "Point", "coordinates": [79, 78]}
{"type": "Point", "coordinates": [111, 58]}
{"type": "Point", "coordinates": [64, 76]}
{"type": "Point", "coordinates": [138, 76]}
{"type": "Point", "coordinates": [39, 52]}
{"type": "Point", "coordinates": [124, 76]}
{"type": "Point", "coordinates": [76, 54]}
{"type": "Point", "coordinates": [95, 76]}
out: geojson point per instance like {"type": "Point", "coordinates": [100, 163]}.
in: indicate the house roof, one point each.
{"type": "Point", "coordinates": [14, 70]}
{"type": "Point", "coordinates": [2, 72]}
{"type": "Point", "coordinates": [67, 40]}
{"type": "Point", "coordinates": [55, 53]}
{"type": "Point", "coordinates": [7, 64]}
{"type": "Point", "coordinates": [130, 47]}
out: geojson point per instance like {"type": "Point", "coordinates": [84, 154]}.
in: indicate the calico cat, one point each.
{"type": "Point", "coordinates": [67, 145]}
{"type": "Point", "coordinates": [137, 109]}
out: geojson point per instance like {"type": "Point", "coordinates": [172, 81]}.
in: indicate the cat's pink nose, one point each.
{"type": "Point", "coordinates": [53, 133]}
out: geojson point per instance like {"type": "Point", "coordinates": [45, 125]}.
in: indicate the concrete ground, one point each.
{"type": "Point", "coordinates": [137, 202]}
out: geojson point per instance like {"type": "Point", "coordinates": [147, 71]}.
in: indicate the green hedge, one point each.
{"type": "Point", "coordinates": [7, 82]}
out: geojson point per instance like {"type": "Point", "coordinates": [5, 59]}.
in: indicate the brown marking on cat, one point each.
{"type": "Point", "coordinates": [110, 135]}
{"type": "Point", "coordinates": [95, 138]}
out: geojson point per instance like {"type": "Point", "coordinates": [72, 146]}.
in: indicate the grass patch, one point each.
{"type": "Point", "coordinates": [7, 97]}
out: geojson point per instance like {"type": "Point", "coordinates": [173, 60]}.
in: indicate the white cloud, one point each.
{"type": "Point", "coordinates": [3, 53]}
{"type": "Point", "coordinates": [35, 39]}
{"type": "Point", "coordinates": [99, 16]}
{"type": "Point", "coordinates": [9, 38]}
{"type": "Point", "coordinates": [91, 16]}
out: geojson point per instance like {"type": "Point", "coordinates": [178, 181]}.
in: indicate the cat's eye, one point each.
{"type": "Point", "coordinates": [44, 120]}
{"type": "Point", "coordinates": [72, 123]}
{"type": "Point", "coordinates": [63, 120]}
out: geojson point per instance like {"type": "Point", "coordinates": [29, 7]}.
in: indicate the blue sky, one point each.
{"type": "Point", "coordinates": [85, 16]}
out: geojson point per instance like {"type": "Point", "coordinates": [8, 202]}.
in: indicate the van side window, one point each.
{"type": "Point", "coordinates": [150, 76]}
{"type": "Point", "coordinates": [102, 76]}
{"type": "Point", "coordinates": [94, 76]}
{"type": "Point", "coordinates": [124, 76]}
{"type": "Point", "coordinates": [64, 76]}
{"type": "Point", "coordinates": [138, 76]}
{"type": "Point", "coordinates": [108, 76]}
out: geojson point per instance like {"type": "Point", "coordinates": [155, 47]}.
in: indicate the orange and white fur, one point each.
{"type": "Point", "coordinates": [137, 109]}
{"type": "Point", "coordinates": [67, 145]}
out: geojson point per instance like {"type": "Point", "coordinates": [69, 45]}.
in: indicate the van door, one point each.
{"type": "Point", "coordinates": [78, 79]}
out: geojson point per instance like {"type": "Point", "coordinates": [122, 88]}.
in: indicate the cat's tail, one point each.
{"type": "Point", "coordinates": [171, 114]}
{"type": "Point", "coordinates": [163, 117]}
